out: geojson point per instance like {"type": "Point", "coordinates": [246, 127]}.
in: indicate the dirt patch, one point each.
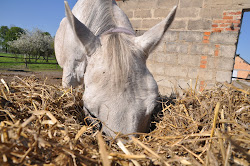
{"type": "Point", "coordinates": [50, 76]}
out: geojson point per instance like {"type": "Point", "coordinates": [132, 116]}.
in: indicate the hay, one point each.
{"type": "Point", "coordinates": [44, 124]}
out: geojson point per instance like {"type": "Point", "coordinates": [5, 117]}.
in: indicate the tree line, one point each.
{"type": "Point", "coordinates": [35, 43]}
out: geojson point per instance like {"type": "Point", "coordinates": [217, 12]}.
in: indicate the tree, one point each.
{"type": "Point", "coordinates": [46, 33]}
{"type": "Point", "coordinates": [35, 43]}
{"type": "Point", "coordinates": [9, 34]}
{"type": "Point", "coordinates": [3, 32]}
{"type": "Point", "coordinates": [14, 33]}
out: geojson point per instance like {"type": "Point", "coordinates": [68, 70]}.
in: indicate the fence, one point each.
{"type": "Point", "coordinates": [27, 60]}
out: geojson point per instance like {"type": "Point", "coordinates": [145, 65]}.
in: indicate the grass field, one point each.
{"type": "Point", "coordinates": [19, 63]}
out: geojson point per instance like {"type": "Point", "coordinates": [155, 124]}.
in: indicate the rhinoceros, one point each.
{"type": "Point", "coordinates": [97, 48]}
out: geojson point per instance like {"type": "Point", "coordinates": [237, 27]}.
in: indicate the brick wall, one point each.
{"type": "Point", "coordinates": [200, 43]}
{"type": "Point", "coordinates": [242, 67]}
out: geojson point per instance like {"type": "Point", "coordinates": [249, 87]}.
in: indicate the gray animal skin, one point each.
{"type": "Point", "coordinates": [96, 41]}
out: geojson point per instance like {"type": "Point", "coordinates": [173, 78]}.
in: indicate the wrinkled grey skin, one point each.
{"type": "Point", "coordinates": [81, 50]}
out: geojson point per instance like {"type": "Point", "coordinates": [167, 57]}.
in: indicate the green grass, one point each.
{"type": "Point", "coordinates": [32, 67]}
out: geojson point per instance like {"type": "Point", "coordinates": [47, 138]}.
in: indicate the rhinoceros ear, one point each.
{"type": "Point", "coordinates": [86, 37]}
{"type": "Point", "coordinates": [149, 40]}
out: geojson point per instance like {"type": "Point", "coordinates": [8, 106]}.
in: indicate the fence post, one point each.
{"type": "Point", "coordinates": [26, 63]}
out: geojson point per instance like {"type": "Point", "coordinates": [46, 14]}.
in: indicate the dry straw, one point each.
{"type": "Point", "coordinates": [44, 124]}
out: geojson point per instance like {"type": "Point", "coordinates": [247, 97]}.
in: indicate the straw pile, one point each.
{"type": "Point", "coordinates": [43, 124]}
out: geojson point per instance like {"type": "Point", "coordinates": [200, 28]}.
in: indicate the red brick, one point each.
{"type": "Point", "coordinates": [217, 29]}
{"type": "Point", "coordinates": [224, 25]}
{"type": "Point", "coordinates": [217, 46]}
{"type": "Point", "coordinates": [219, 21]}
{"type": "Point", "coordinates": [235, 13]}
{"type": "Point", "coordinates": [229, 29]}
{"type": "Point", "coordinates": [205, 41]}
{"type": "Point", "coordinates": [206, 37]}
{"type": "Point", "coordinates": [236, 29]}
{"type": "Point", "coordinates": [207, 33]}
{"type": "Point", "coordinates": [236, 21]}
{"type": "Point", "coordinates": [229, 21]}
{"type": "Point", "coordinates": [225, 13]}
{"type": "Point", "coordinates": [215, 25]}
{"type": "Point", "coordinates": [203, 62]}
{"type": "Point", "coordinates": [231, 13]}
{"type": "Point", "coordinates": [203, 57]}
{"type": "Point", "coordinates": [216, 53]}
{"type": "Point", "coordinates": [240, 64]}
{"type": "Point", "coordinates": [202, 85]}
{"type": "Point", "coordinates": [223, 21]}
{"type": "Point", "coordinates": [203, 66]}
{"type": "Point", "coordinates": [236, 25]}
{"type": "Point", "coordinates": [228, 17]}
{"type": "Point", "coordinates": [237, 17]}
{"type": "Point", "coordinates": [238, 13]}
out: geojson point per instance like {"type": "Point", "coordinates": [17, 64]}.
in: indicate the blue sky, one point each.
{"type": "Point", "coordinates": [244, 40]}
{"type": "Point", "coordinates": [47, 14]}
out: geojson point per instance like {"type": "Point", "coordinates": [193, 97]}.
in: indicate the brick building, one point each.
{"type": "Point", "coordinates": [201, 42]}
{"type": "Point", "coordinates": [241, 68]}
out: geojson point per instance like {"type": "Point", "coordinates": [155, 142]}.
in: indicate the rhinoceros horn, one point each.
{"type": "Point", "coordinates": [86, 37]}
